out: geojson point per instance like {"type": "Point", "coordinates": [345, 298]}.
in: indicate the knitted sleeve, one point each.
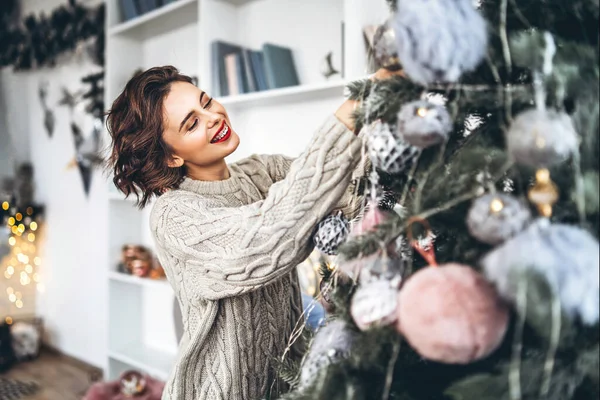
{"type": "Point", "coordinates": [350, 203]}
{"type": "Point", "coordinates": [229, 251]}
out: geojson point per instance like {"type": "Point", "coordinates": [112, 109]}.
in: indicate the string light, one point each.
{"type": "Point", "coordinates": [496, 205]}
{"type": "Point", "coordinates": [5, 205]}
{"type": "Point", "coordinates": [8, 320]}
{"type": "Point", "coordinates": [421, 112]}
{"type": "Point", "coordinates": [17, 264]}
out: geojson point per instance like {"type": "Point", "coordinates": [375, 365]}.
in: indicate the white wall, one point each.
{"type": "Point", "coordinates": [74, 302]}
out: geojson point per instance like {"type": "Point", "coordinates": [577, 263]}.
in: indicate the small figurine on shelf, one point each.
{"type": "Point", "coordinates": [140, 267]}
{"type": "Point", "coordinates": [130, 385]}
{"type": "Point", "coordinates": [135, 260]}
{"type": "Point", "coordinates": [157, 272]}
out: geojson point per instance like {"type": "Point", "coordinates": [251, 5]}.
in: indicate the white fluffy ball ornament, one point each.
{"type": "Point", "coordinates": [387, 151]}
{"type": "Point", "coordinates": [331, 344]}
{"type": "Point", "coordinates": [568, 258]}
{"type": "Point", "coordinates": [541, 138]}
{"type": "Point", "coordinates": [424, 124]}
{"type": "Point", "coordinates": [494, 218]}
{"type": "Point", "coordinates": [374, 303]}
{"type": "Point", "coordinates": [25, 341]}
{"type": "Point", "coordinates": [439, 40]}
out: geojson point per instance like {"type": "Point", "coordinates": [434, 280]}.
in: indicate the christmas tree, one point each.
{"type": "Point", "coordinates": [474, 270]}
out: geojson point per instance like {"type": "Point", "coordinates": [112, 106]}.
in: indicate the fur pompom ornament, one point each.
{"type": "Point", "coordinates": [539, 138]}
{"type": "Point", "coordinates": [331, 233]}
{"type": "Point", "coordinates": [451, 314]}
{"type": "Point", "coordinates": [374, 303]}
{"type": "Point", "coordinates": [495, 218]}
{"type": "Point", "coordinates": [439, 40]}
{"type": "Point", "coordinates": [385, 51]}
{"type": "Point", "coordinates": [424, 124]}
{"type": "Point", "coordinates": [331, 344]}
{"type": "Point", "coordinates": [387, 151]}
{"type": "Point", "coordinates": [26, 341]}
{"type": "Point", "coordinates": [566, 256]}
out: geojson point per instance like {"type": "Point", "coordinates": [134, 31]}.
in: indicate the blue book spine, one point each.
{"type": "Point", "coordinates": [240, 70]}
{"type": "Point", "coordinates": [259, 70]}
{"type": "Point", "coordinates": [129, 10]}
{"type": "Point", "coordinates": [250, 78]}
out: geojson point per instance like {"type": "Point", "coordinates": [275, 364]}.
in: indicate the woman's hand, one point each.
{"type": "Point", "coordinates": [344, 113]}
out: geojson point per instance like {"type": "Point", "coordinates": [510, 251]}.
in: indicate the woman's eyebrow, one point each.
{"type": "Point", "coordinates": [190, 113]}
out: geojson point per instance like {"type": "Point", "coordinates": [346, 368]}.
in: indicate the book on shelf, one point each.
{"type": "Point", "coordinates": [233, 84]}
{"type": "Point", "coordinates": [219, 50]}
{"type": "Point", "coordinates": [279, 66]}
{"type": "Point", "coordinates": [239, 70]}
{"type": "Point", "coordinates": [129, 9]}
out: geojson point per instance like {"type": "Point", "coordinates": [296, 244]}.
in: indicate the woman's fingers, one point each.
{"type": "Point", "coordinates": [384, 73]}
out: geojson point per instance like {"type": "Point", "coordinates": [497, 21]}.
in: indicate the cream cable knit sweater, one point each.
{"type": "Point", "coordinates": [230, 248]}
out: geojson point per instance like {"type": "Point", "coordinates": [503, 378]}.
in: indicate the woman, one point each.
{"type": "Point", "coordinates": [228, 236]}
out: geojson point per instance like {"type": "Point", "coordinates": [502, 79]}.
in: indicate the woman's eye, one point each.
{"type": "Point", "coordinates": [207, 106]}
{"type": "Point", "coordinates": [194, 125]}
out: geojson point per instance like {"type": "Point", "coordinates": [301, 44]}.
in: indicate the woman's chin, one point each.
{"type": "Point", "coordinates": [232, 145]}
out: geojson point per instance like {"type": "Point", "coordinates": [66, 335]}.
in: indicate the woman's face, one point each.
{"type": "Point", "coordinates": [197, 128]}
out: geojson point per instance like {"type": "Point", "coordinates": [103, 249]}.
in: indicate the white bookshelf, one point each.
{"type": "Point", "coordinates": [141, 326]}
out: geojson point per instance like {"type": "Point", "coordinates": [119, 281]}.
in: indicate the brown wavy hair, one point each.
{"type": "Point", "coordinates": [139, 154]}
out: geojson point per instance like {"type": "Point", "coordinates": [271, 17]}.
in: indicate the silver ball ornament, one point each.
{"type": "Point", "coordinates": [387, 151]}
{"type": "Point", "coordinates": [495, 218]}
{"type": "Point", "coordinates": [424, 124]}
{"type": "Point", "coordinates": [331, 233]}
{"type": "Point", "coordinates": [331, 344]}
{"type": "Point", "coordinates": [541, 138]}
{"type": "Point", "coordinates": [439, 40]}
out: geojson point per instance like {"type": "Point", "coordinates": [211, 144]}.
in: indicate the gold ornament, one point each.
{"type": "Point", "coordinates": [544, 194]}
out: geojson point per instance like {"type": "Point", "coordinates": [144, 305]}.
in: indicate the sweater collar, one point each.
{"type": "Point", "coordinates": [225, 186]}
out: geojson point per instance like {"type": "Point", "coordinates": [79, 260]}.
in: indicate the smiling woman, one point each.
{"type": "Point", "coordinates": [228, 236]}
{"type": "Point", "coordinates": [198, 130]}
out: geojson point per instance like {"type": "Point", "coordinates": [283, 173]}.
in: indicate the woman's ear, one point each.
{"type": "Point", "coordinates": [175, 162]}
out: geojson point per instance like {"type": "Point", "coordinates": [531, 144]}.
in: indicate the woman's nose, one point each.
{"type": "Point", "coordinates": [213, 118]}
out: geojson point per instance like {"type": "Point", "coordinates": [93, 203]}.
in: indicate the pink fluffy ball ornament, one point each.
{"type": "Point", "coordinates": [451, 314]}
